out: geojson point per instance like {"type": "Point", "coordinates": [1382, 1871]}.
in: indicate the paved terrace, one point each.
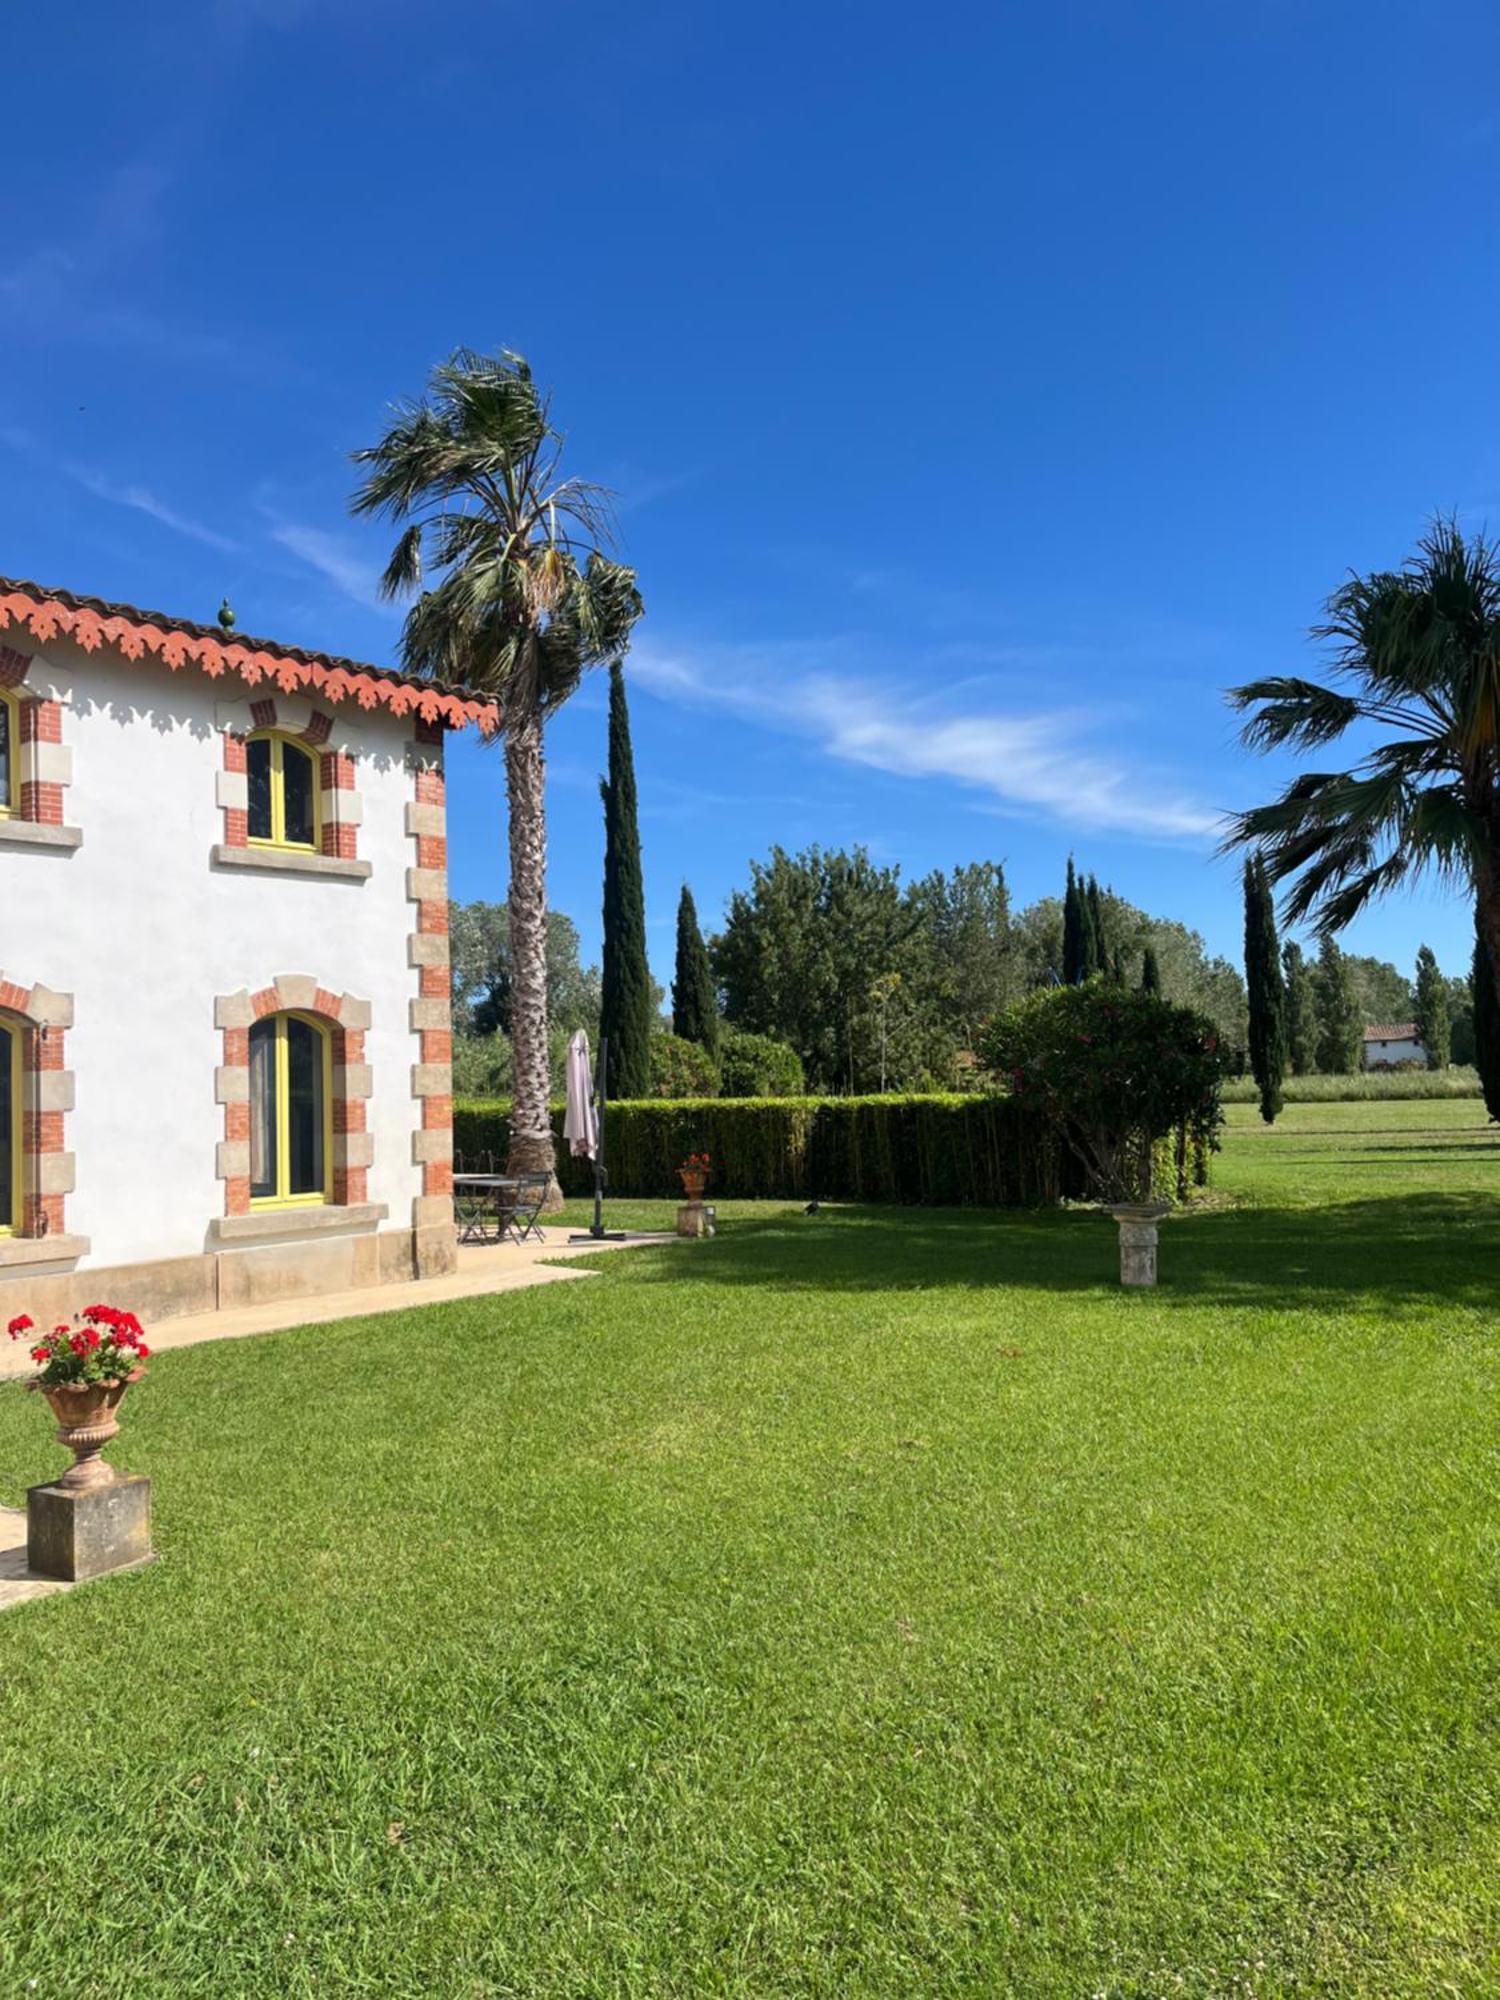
{"type": "Point", "coordinates": [483, 1268]}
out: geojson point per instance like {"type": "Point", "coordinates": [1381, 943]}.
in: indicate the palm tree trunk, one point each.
{"type": "Point", "coordinates": [531, 1148]}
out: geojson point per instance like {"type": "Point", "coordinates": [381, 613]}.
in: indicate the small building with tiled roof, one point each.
{"type": "Point", "coordinates": [225, 1047]}
{"type": "Point", "coordinates": [1393, 1042]}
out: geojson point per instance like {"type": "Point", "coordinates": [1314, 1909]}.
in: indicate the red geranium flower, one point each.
{"type": "Point", "coordinates": [22, 1323]}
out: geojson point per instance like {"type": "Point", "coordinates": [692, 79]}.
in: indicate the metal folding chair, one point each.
{"type": "Point", "coordinates": [474, 1208]}
{"type": "Point", "coordinates": [521, 1205]}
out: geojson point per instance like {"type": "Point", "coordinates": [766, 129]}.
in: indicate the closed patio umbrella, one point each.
{"type": "Point", "coordinates": [583, 1127]}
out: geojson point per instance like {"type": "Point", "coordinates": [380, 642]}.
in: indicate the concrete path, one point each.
{"type": "Point", "coordinates": [483, 1269]}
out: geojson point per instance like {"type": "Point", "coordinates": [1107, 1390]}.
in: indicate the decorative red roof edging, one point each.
{"type": "Point", "coordinates": [176, 642]}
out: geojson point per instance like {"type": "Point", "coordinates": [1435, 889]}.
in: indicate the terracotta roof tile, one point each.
{"type": "Point", "coordinates": [95, 621]}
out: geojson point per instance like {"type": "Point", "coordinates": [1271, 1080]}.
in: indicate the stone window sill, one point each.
{"type": "Point", "coordinates": [29, 833]}
{"type": "Point", "coordinates": [280, 1225]}
{"type": "Point", "coordinates": [285, 861]}
{"type": "Point", "coordinates": [25, 1252]}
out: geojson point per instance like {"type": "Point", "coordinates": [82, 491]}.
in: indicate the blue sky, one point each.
{"type": "Point", "coordinates": [985, 387]}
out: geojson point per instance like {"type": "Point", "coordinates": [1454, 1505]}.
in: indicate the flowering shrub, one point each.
{"type": "Point", "coordinates": [757, 1066]}
{"type": "Point", "coordinates": [1114, 1072]}
{"type": "Point", "coordinates": [681, 1069]}
{"type": "Point", "coordinates": [104, 1348]}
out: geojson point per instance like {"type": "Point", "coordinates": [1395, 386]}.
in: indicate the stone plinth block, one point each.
{"type": "Point", "coordinates": [694, 1218]}
{"type": "Point", "coordinates": [1137, 1223]}
{"type": "Point", "coordinates": [88, 1531]}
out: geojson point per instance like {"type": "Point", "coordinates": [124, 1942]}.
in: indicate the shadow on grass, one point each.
{"type": "Point", "coordinates": [1397, 1250]}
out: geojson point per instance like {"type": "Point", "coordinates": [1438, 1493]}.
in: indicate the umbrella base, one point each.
{"type": "Point", "coordinates": [598, 1236]}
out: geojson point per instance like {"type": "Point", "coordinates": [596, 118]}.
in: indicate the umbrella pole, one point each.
{"type": "Point", "coordinates": [601, 1092]}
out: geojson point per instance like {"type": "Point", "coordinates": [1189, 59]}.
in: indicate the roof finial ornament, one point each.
{"type": "Point", "coordinates": [226, 616]}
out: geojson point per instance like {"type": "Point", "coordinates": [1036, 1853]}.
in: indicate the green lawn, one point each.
{"type": "Point", "coordinates": [865, 1603]}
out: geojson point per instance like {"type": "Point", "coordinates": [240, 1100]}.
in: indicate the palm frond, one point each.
{"type": "Point", "coordinates": [403, 573]}
{"type": "Point", "coordinates": [520, 600]}
{"type": "Point", "coordinates": [1265, 825]}
{"type": "Point", "coordinates": [1442, 834]}
{"type": "Point", "coordinates": [1417, 653]}
{"type": "Point", "coordinates": [1294, 711]}
{"type": "Point", "coordinates": [1338, 910]}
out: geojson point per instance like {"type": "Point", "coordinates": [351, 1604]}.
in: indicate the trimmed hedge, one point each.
{"type": "Point", "coordinates": [963, 1151]}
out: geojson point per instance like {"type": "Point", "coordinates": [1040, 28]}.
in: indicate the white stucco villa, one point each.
{"type": "Point", "coordinates": [225, 1038]}
{"type": "Point", "coordinates": [1391, 1043]}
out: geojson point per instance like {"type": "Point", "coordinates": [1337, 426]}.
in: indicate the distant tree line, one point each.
{"type": "Point", "coordinates": [883, 984]}
{"type": "Point", "coordinates": [1306, 1019]}
{"type": "Point", "coordinates": [832, 973]}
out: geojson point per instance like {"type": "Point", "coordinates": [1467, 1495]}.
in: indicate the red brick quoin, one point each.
{"type": "Point", "coordinates": [44, 1018]}
{"type": "Point", "coordinates": [40, 758]}
{"type": "Point", "coordinates": [431, 1017]}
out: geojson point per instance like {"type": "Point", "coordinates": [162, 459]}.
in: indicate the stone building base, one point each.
{"type": "Point", "coordinates": [237, 1273]}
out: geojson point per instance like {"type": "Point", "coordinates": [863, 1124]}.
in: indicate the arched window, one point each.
{"type": "Point", "coordinates": [10, 755]}
{"type": "Point", "coordinates": [291, 1111]}
{"type": "Point", "coordinates": [10, 1127]}
{"type": "Point", "coordinates": [284, 791]}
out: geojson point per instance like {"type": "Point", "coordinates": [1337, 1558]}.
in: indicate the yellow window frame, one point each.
{"type": "Point", "coordinates": [280, 743]}
{"type": "Point", "coordinates": [10, 1055]}
{"type": "Point", "coordinates": [10, 707]}
{"type": "Point", "coordinates": [282, 1098]}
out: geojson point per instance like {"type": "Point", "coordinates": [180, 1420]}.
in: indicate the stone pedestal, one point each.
{"type": "Point", "coordinates": [83, 1532]}
{"type": "Point", "coordinates": [1137, 1223]}
{"type": "Point", "coordinates": [695, 1218]}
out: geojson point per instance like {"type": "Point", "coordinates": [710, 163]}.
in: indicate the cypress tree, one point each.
{"type": "Point", "coordinates": [1486, 1025]}
{"type": "Point", "coordinates": [1072, 947]}
{"type": "Point", "coordinates": [1117, 967]}
{"type": "Point", "coordinates": [1266, 990]}
{"type": "Point", "coordinates": [1340, 1022]}
{"type": "Point", "coordinates": [1095, 958]}
{"type": "Point", "coordinates": [1150, 971]}
{"type": "Point", "coordinates": [1432, 1009]}
{"type": "Point", "coordinates": [695, 1007]}
{"type": "Point", "coordinates": [1301, 1028]}
{"type": "Point", "coordinates": [625, 1004]}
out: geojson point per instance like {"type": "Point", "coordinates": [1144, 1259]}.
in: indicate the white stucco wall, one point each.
{"type": "Point", "coordinates": [1407, 1050]}
{"type": "Point", "coordinates": [144, 932]}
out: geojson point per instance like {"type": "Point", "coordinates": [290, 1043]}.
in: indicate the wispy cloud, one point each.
{"type": "Point", "coordinates": [118, 493]}
{"type": "Point", "coordinates": [143, 501]}
{"type": "Point", "coordinates": [1037, 763]}
{"type": "Point", "coordinates": [332, 557]}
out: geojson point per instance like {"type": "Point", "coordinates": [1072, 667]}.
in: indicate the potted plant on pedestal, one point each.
{"type": "Point", "coordinates": [1113, 1072]}
{"type": "Point", "coordinates": [693, 1219]}
{"type": "Point", "coordinates": [84, 1371]}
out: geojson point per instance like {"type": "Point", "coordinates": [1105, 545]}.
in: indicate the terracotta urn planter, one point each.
{"type": "Point", "coordinates": [1137, 1222]}
{"type": "Point", "coordinates": [86, 1422]}
{"type": "Point", "coordinates": [693, 1183]}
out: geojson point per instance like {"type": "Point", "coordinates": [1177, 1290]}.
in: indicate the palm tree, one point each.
{"type": "Point", "coordinates": [520, 603]}
{"type": "Point", "coordinates": [1418, 654]}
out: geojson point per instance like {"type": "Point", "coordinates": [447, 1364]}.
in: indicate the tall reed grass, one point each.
{"type": "Point", "coordinates": [1368, 1086]}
